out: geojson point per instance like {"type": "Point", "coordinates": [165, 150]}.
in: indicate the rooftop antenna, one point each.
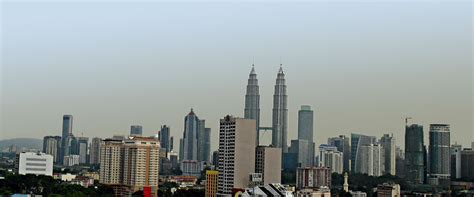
{"type": "Point", "coordinates": [253, 60]}
{"type": "Point", "coordinates": [406, 120]}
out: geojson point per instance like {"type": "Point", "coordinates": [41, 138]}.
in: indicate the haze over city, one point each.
{"type": "Point", "coordinates": [362, 66]}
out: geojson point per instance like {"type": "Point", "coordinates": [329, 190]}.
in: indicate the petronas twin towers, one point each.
{"type": "Point", "coordinates": [280, 110]}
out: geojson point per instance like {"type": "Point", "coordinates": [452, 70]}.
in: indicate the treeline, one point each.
{"type": "Point", "coordinates": [47, 186]}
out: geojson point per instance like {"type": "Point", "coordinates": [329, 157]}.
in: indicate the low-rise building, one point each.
{"type": "Point", "coordinates": [321, 192]}
{"type": "Point", "coordinates": [388, 190]}
{"type": "Point", "coordinates": [313, 177]}
{"type": "Point", "coordinates": [34, 163]}
{"type": "Point", "coordinates": [358, 194]}
{"type": "Point", "coordinates": [273, 189]}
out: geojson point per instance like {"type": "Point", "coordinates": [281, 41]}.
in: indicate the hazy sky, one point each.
{"type": "Point", "coordinates": [362, 65]}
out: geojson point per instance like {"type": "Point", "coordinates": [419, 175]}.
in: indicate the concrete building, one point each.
{"type": "Point", "coordinates": [313, 177]}
{"type": "Point", "coordinates": [388, 190]}
{"type": "Point", "coordinates": [71, 160]}
{"type": "Point", "coordinates": [414, 154]}
{"type": "Point", "coordinates": [330, 157]}
{"type": "Point", "coordinates": [141, 163]}
{"type": "Point", "coordinates": [439, 155]}
{"type": "Point", "coordinates": [305, 131]}
{"type": "Point", "coordinates": [357, 141]}
{"type": "Point", "coordinates": [52, 146]}
{"type": "Point", "coordinates": [204, 143]}
{"type": "Point", "coordinates": [136, 130]}
{"type": "Point", "coordinates": [94, 153]}
{"type": "Point", "coordinates": [358, 194]}
{"type": "Point", "coordinates": [280, 113]}
{"type": "Point", "coordinates": [111, 161]}
{"type": "Point", "coordinates": [252, 101]}
{"type": "Point", "coordinates": [130, 164]}
{"type": "Point", "coordinates": [81, 149]}
{"type": "Point", "coordinates": [191, 168]}
{"type": "Point", "coordinates": [66, 134]}
{"type": "Point", "coordinates": [321, 192]}
{"type": "Point", "coordinates": [164, 136]}
{"type": "Point", "coordinates": [190, 137]}
{"type": "Point", "coordinates": [236, 140]}
{"type": "Point", "coordinates": [181, 149]}
{"type": "Point", "coordinates": [266, 163]}
{"type": "Point", "coordinates": [455, 160]}
{"type": "Point", "coordinates": [388, 144]}
{"type": "Point", "coordinates": [372, 160]}
{"type": "Point", "coordinates": [300, 148]}
{"type": "Point", "coordinates": [343, 145]}
{"type": "Point", "coordinates": [211, 183]}
{"type": "Point", "coordinates": [467, 163]}
{"type": "Point", "coordinates": [34, 163]}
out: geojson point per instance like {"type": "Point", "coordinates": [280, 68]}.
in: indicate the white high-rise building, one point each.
{"type": "Point", "coordinates": [265, 163]}
{"type": "Point", "coordinates": [372, 159]}
{"type": "Point", "coordinates": [52, 146]}
{"type": "Point", "coordinates": [71, 160]}
{"type": "Point", "coordinates": [330, 157]}
{"type": "Point", "coordinates": [236, 154]}
{"type": "Point", "coordinates": [94, 153]}
{"type": "Point", "coordinates": [388, 144]}
{"type": "Point", "coordinates": [34, 163]}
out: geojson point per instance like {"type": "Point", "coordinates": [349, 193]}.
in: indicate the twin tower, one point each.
{"type": "Point", "coordinates": [280, 109]}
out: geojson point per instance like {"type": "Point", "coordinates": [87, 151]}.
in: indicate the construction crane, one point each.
{"type": "Point", "coordinates": [406, 120]}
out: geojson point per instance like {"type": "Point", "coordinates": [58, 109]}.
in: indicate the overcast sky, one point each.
{"type": "Point", "coordinates": [362, 65]}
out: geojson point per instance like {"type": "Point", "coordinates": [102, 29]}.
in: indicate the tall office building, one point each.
{"type": "Point", "coordinates": [439, 156]}
{"type": "Point", "coordinates": [52, 146]}
{"type": "Point", "coordinates": [81, 149]}
{"type": "Point", "coordinates": [330, 157]}
{"type": "Point", "coordinates": [94, 152]}
{"type": "Point", "coordinates": [300, 148]}
{"type": "Point", "coordinates": [206, 150]}
{"type": "Point", "coordinates": [136, 130]}
{"type": "Point", "coordinates": [455, 161]}
{"type": "Point", "coordinates": [66, 133]}
{"type": "Point", "coordinates": [414, 154]}
{"type": "Point", "coordinates": [204, 141]}
{"type": "Point", "coordinates": [388, 145]}
{"type": "Point", "coordinates": [171, 144]}
{"type": "Point", "coordinates": [265, 163]}
{"type": "Point", "coordinates": [181, 149]}
{"type": "Point", "coordinates": [211, 183]}
{"type": "Point", "coordinates": [357, 141]}
{"type": "Point", "coordinates": [190, 137]}
{"type": "Point", "coordinates": [467, 163]}
{"type": "Point", "coordinates": [371, 160]}
{"type": "Point", "coordinates": [280, 114]}
{"type": "Point", "coordinates": [313, 177]}
{"type": "Point", "coordinates": [236, 142]}
{"type": "Point", "coordinates": [343, 145]}
{"type": "Point", "coordinates": [305, 131]}
{"type": "Point", "coordinates": [252, 101]}
{"type": "Point", "coordinates": [165, 138]}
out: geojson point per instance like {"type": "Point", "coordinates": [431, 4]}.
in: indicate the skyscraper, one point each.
{"type": "Point", "coordinates": [439, 155]}
{"type": "Point", "coordinates": [357, 141]}
{"type": "Point", "coordinates": [305, 131]}
{"type": "Point", "coordinates": [204, 141]}
{"type": "Point", "coordinates": [414, 154]}
{"type": "Point", "coordinates": [236, 159]}
{"type": "Point", "coordinates": [371, 160]}
{"type": "Point", "coordinates": [252, 101]}
{"type": "Point", "coordinates": [455, 161]}
{"type": "Point", "coordinates": [165, 139]}
{"type": "Point", "coordinates": [66, 133]}
{"type": "Point", "coordinates": [94, 153]}
{"type": "Point", "coordinates": [330, 157]}
{"type": "Point", "coordinates": [136, 130]}
{"type": "Point", "coordinates": [343, 145]}
{"type": "Point", "coordinates": [52, 146]}
{"type": "Point", "coordinates": [81, 149]}
{"type": "Point", "coordinates": [206, 153]}
{"type": "Point", "coordinates": [190, 137]}
{"type": "Point", "coordinates": [181, 149]}
{"type": "Point", "coordinates": [280, 113]}
{"type": "Point", "coordinates": [388, 145]}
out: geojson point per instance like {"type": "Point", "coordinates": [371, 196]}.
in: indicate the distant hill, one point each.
{"type": "Point", "coordinates": [23, 142]}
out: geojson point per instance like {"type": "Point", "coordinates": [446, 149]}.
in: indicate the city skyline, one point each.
{"type": "Point", "coordinates": [369, 94]}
